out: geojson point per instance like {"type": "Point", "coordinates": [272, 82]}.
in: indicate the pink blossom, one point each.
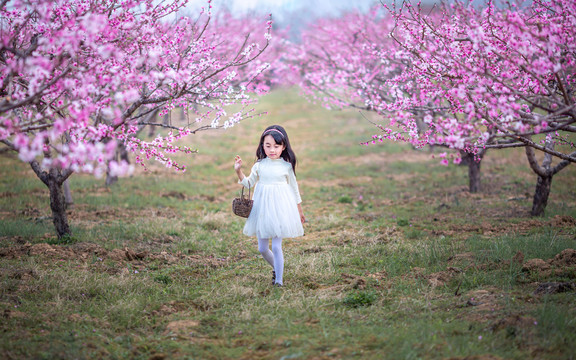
{"type": "Point", "coordinates": [21, 141]}
{"type": "Point", "coordinates": [102, 68]}
{"type": "Point", "coordinates": [430, 67]}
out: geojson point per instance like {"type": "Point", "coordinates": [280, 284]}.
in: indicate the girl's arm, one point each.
{"type": "Point", "coordinates": [247, 181]}
{"type": "Point", "coordinates": [294, 184]}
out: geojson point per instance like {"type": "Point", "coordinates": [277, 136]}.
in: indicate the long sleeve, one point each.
{"type": "Point", "coordinates": [253, 178]}
{"type": "Point", "coordinates": [294, 185]}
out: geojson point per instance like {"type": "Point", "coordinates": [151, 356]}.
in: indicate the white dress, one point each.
{"type": "Point", "coordinates": [276, 196]}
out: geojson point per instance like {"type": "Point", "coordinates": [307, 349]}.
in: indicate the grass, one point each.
{"type": "Point", "coordinates": [398, 260]}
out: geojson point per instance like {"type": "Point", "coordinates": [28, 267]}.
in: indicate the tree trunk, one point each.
{"type": "Point", "coordinates": [58, 207]}
{"type": "Point", "coordinates": [122, 154]}
{"type": "Point", "coordinates": [54, 178]}
{"type": "Point", "coordinates": [541, 194]}
{"type": "Point", "coordinates": [474, 174]}
{"type": "Point", "coordinates": [68, 194]}
{"type": "Point", "coordinates": [545, 173]}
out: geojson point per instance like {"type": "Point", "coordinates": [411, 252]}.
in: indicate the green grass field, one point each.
{"type": "Point", "coordinates": [399, 260]}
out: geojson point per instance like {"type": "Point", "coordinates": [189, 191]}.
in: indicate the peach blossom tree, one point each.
{"type": "Point", "coordinates": [464, 77]}
{"type": "Point", "coordinates": [79, 78]}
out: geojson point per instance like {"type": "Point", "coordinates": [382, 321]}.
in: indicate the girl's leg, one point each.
{"type": "Point", "coordinates": [265, 251]}
{"type": "Point", "coordinates": [278, 259]}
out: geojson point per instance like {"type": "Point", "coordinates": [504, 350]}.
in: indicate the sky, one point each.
{"type": "Point", "coordinates": [283, 9]}
{"type": "Point", "coordinates": [323, 7]}
{"type": "Point", "coordinates": [292, 13]}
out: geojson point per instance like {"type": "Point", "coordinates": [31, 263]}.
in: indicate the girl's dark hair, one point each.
{"type": "Point", "coordinates": [281, 138]}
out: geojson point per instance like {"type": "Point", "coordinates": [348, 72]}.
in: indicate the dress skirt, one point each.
{"type": "Point", "coordinates": [274, 213]}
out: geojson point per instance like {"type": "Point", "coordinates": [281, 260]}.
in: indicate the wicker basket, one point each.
{"type": "Point", "coordinates": [242, 206]}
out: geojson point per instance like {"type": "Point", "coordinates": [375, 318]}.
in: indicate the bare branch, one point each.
{"type": "Point", "coordinates": [561, 165]}
{"type": "Point", "coordinates": [533, 162]}
{"type": "Point", "coordinates": [505, 146]}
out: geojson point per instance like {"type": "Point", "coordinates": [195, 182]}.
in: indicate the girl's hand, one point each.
{"type": "Point", "coordinates": [237, 163]}
{"type": "Point", "coordinates": [238, 167]}
{"type": "Point", "coordinates": [302, 217]}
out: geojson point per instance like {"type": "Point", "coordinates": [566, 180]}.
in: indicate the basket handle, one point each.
{"type": "Point", "coordinates": [249, 191]}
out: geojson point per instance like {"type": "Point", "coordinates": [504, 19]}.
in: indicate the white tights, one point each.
{"type": "Point", "coordinates": [274, 257]}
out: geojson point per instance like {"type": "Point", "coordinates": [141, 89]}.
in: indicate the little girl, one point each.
{"type": "Point", "coordinates": [277, 210]}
